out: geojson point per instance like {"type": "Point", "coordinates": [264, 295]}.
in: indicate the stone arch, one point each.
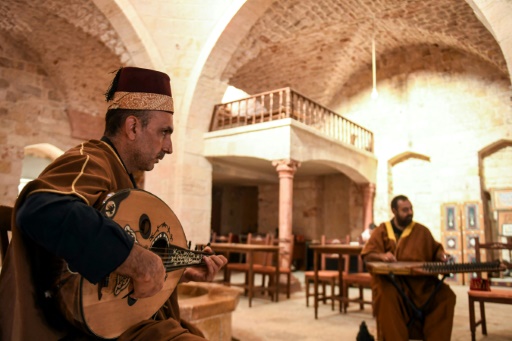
{"type": "Point", "coordinates": [36, 158]}
{"type": "Point", "coordinates": [407, 155]}
{"type": "Point", "coordinates": [484, 194]}
{"type": "Point", "coordinates": [206, 86]}
{"type": "Point", "coordinates": [136, 38]}
{"type": "Point", "coordinates": [495, 16]}
{"type": "Point", "coordinates": [493, 148]}
{"type": "Point", "coordinates": [399, 158]}
{"type": "Point", "coordinates": [52, 76]}
{"type": "Point", "coordinates": [43, 150]}
{"type": "Point", "coordinates": [414, 168]}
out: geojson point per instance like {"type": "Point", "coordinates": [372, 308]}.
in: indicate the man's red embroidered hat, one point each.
{"type": "Point", "coordinates": [140, 89]}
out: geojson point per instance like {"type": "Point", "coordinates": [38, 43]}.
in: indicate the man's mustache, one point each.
{"type": "Point", "coordinates": [406, 218]}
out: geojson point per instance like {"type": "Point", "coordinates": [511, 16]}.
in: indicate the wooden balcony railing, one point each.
{"type": "Point", "coordinates": [287, 103]}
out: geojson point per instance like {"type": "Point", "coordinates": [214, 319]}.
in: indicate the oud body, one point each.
{"type": "Point", "coordinates": [105, 309]}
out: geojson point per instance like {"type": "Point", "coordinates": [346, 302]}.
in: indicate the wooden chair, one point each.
{"type": "Point", "coordinates": [259, 259]}
{"type": "Point", "coordinates": [359, 279]}
{"type": "Point", "coordinates": [325, 277]}
{"type": "Point", "coordinates": [5, 228]}
{"type": "Point", "coordinates": [502, 296]}
{"type": "Point", "coordinates": [270, 270]}
{"type": "Point", "coordinates": [215, 238]}
{"type": "Point", "coordinates": [230, 238]}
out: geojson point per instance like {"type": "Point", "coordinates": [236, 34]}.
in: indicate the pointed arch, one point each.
{"type": "Point", "coordinates": [36, 158]}
{"type": "Point", "coordinates": [484, 194]}
{"type": "Point", "coordinates": [493, 148]}
{"type": "Point", "coordinates": [410, 173]}
{"type": "Point", "coordinates": [135, 35]}
{"type": "Point", "coordinates": [407, 155]}
{"type": "Point", "coordinates": [43, 150]}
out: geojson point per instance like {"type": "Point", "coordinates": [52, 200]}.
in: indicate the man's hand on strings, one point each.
{"type": "Point", "coordinates": [388, 257]}
{"type": "Point", "coordinates": [444, 257]}
{"type": "Point", "coordinates": [206, 273]}
{"type": "Point", "coordinates": [146, 271]}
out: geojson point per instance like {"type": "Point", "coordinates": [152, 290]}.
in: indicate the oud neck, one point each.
{"type": "Point", "coordinates": [175, 258]}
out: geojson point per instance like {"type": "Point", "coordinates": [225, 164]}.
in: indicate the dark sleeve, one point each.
{"type": "Point", "coordinates": [92, 244]}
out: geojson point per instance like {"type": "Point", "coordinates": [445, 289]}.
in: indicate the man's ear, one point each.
{"type": "Point", "coordinates": [131, 126]}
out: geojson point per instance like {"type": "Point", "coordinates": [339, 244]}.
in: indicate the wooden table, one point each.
{"type": "Point", "coordinates": [249, 250]}
{"type": "Point", "coordinates": [340, 249]}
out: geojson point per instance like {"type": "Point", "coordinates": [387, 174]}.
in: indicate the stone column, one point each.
{"type": "Point", "coordinates": [368, 196]}
{"type": "Point", "coordinates": [286, 170]}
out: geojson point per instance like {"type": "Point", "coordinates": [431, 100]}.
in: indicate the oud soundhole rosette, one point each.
{"type": "Point", "coordinates": [145, 226]}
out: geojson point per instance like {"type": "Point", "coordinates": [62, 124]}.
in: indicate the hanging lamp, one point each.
{"type": "Point", "coordinates": [374, 94]}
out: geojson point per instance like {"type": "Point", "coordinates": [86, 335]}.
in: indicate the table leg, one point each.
{"type": "Point", "coordinates": [341, 287]}
{"type": "Point", "coordinates": [472, 322]}
{"type": "Point", "coordinates": [226, 282]}
{"type": "Point", "coordinates": [278, 280]}
{"type": "Point", "coordinates": [315, 267]}
{"type": "Point", "coordinates": [251, 277]}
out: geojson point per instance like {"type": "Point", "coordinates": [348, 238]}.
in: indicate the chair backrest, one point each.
{"type": "Point", "coordinates": [492, 252]}
{"type": "Point", "coordinates": [347, 258]}
{"type": "Point", "coordinates": [325, 256]}
{"type": "Point", "coordinates": [261, 258]}
{"type": "Point", "coordinates": [5, 228]}
{"type": "Point", "coordinates": [346, 265]}
{"type": "Point", "coordinates": [223, 239]}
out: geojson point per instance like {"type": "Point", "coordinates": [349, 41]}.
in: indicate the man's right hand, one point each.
{"type": "Point", "coordinates": [146, 271]}
{"type": "Point", "coordinates": [380, 257]}
{"type": "Point", "coordinates": [387, 257]}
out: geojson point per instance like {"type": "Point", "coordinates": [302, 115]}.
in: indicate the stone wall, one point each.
{"type": "Point", "coordinates": [239, 209]}
{"type": "Point", "coordinates": [496, 169]}
{"type": "Point", "coordinates": [447, 117]}
{"type": "Point", "coordinates": [52, 81]}
{"type": "Point", "coordinates": [412, 178]}
{"type": "Point", "coordinates": [268, 214]}
{"type": "Point", "coordinates": [32, 110]}
{"type": "Point", "coordinates": [209, 307]}
{"type": "Point", "coordinates": [330, 205]}
{"type": "Point", "coordinates": [181, 36]}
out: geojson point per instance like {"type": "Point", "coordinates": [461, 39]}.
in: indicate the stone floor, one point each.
{"type": "Point", "coordinates": [290, 319]}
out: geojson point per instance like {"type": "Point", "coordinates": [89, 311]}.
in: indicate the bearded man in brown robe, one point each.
{"type": "Point", "coordinates": [402, 239]}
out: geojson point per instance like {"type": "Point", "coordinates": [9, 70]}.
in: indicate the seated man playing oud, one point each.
{"type": "Point", "coordinates": [59, 232]}
{"type": "Point", "coordinates": [402, 239]}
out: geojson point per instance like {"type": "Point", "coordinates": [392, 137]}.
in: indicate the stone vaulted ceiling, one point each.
{"type": "Point", "coordinates": [71, 41]}
{"type": "Point", "coordinates": [320, 48]}
{"type": "Point", "coordinates": [317, 47]}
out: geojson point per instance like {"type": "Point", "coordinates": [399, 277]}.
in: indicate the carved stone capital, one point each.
{"type": "Point", "coordinates": [286, 167]}
{"type": "Point", "coordinates": [368, 191]}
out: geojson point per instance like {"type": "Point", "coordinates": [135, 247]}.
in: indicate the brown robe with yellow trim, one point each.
{"type": "Point", "coordinates": [89, 171]}
{"type": "Point", "coordinates": [392, 313]}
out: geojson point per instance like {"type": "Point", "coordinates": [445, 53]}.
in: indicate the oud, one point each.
{"type": "Point", "coordinates": [105, 309]}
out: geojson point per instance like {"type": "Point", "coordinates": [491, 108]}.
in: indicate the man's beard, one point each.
{"type": "Point", "coordinates": [405, 221]}
{"type": "Point", "coordinates": [142, 161]}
